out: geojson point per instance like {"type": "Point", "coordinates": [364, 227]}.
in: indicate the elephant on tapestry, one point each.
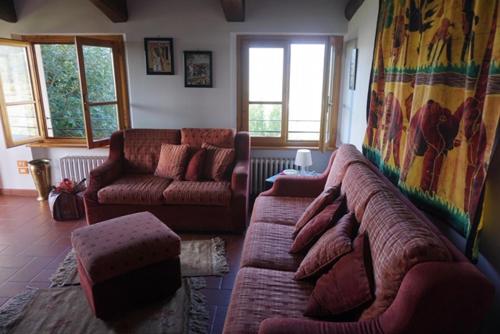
{"type": "Point", "coordinates": [393, 128]}
{"type": "Point", "coordinates": [374, 118]}
{"type": "Point", "coordinates": [474, 133]}
{"type": "Point", "coordinates": [431, 135]}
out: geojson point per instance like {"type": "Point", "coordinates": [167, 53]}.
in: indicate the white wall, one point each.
{"type": "Point", "coordinates": [162, 101]}
{"type": "Point", "coordinates": [352, 118]}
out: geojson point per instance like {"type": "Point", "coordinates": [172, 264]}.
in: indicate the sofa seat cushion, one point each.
{"type": "Point", "coordinates": [267, 245]}
{"type": "Point", "coordinates": [279, 209]}
{"type": "Point", "coordinates": [123, 244]}
{"type": "Point", "coordinates": [398, 241]}
{"type": "Point", "coordinates": [263, 293]}
{"type": "Point", "coordinates": [198, 193]}
{"type": "Point", "coordinates": [135, 189]}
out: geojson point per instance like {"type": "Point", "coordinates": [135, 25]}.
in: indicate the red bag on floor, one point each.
{"type": "Point", "coordinates": [67, 205]}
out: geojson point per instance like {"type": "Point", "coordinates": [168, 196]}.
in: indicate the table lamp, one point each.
{"type": "Point", "coordinates": [303, 160]}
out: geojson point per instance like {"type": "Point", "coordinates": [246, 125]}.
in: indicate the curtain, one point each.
{"type": "Point", "coordinates": [434, 104]}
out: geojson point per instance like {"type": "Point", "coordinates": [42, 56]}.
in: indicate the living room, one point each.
{"type": "Point", "coordinates": [102, 89]}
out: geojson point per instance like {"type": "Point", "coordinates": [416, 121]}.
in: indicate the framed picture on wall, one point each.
{"type": "Point", "coordinates": [353, 64]}
{"type": "Point", "coordinates": [159, 55]}
{"type": "Point", "coordinates": [198, 68]}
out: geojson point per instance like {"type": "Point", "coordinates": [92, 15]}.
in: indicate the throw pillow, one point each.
{"type": "Point", "coordinates": [336, 242]}
{"type": "Point", "coordinates": [195, 165]}
{"type": "Point", "coordinates": [318, 225]}
{"type": "Point", "coordinates": [319, 203]}
{"type": "Point", "coordinates": [217, 162]}
{"type": "Point", "coordinates": [172, 162]}
{"type": "Point", "coordinates": [347, 287]}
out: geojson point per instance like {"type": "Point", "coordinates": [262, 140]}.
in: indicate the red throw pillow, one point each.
{"type": "Point", "coordinates": [172, 161]}
{"type": "Point", "coordinates": [333, 244]}
{"type": "Point", "coordinates": [195, 165]}
{"type": "Point", "coordinates": [217, 162]}
{"type": "Point", "coordinates": [319, 203]}
{"type": "Point", "coordinates": [318, 225]}
{"type": "Point", "coordinates": [347, 287]}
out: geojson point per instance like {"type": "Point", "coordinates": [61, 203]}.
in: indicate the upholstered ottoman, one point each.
{"type": "Point", "coordinates": [126, 261]}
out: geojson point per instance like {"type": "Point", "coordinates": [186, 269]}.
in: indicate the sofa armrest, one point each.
{"type": "Point", "coordinates": [281, 325]}
{"type": "Point", "coordinates": [439, 297]}
{"type": "Point", "coordinates": [102, 176]}
{"type": "Point", "coordinates": [297, 186]}
{"type": "Point", "coordinates": [239, 177]}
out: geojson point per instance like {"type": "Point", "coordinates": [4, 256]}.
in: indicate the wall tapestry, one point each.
{"type": "Point", "coordinates": [434, 104]}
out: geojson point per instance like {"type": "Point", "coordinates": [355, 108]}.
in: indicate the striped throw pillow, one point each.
{"type": "Point", "coordinates": [173, 161]}
{"type": "Point", "coordinates": [217, 162]}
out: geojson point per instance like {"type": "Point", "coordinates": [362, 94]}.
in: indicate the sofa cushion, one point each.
{"type": "Point", "coordinates": [123, 244]}
{"type": "Point", "coordinates": [347, 287]}
{"type": "Point", "coordinates": [279, 209]}
{"type": "Point", "coordinates": [398, 241]}
{"type": "Point", "coordinates": [266, 246]}
{"type": "Point", "coordinates": [217, 162]}
{"type": "Point", "coordinates": [344, 156]}
{"type": "Point", "coordinates": [198, 193]}
{"type": "Point", "coordinates": [316, 206]}
{"type": "Point", "coordinates": [335, 243]}
{"type": "Point", "coordinates": [173, 161]}
{"type": "Point", "coordinates": [135, 189]}
{"type": "Point", "coordinates": [318, 225]}
{"type": "Point", "coordinates": [194, 168]}
{"type": "Point", "coordinates": [195, 137]}
{"type": "Point", "coordinates": [259, 294]}
{"type": "Point", "coordinates": [359, 185]}
{"type": "Point", "coordinates": [142, 148]}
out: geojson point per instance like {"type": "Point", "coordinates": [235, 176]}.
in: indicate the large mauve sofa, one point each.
{"type": "Point", "coordinates": [422, 283]}
{"type": "Point", "coordinates": [126, 183]}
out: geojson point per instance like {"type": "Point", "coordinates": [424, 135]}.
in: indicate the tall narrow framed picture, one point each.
{"type": "Point", "coordinates": [198, 69]}
{"type": "Point", "coordinates": [159, 55]}
{"type": "Point", "coordinates": [353, 67]}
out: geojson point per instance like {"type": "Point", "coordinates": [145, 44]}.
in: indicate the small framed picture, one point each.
{"type": "Point", "coordinates": [197, 68]}
{"type": "Point", "coordinates": [159, 55]}
{"type": "Point", "coordinates": [352, 69]}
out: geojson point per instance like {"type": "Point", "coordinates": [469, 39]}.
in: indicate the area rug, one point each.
{"type": "Point", "coordinates": [198, 258]}
{"type": "Point", "coordinates": [65, 310]}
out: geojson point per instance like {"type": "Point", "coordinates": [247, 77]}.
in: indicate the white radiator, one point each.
{"type": "Point", "coordinates": [77, 167]}
{"type": "Point", "coordinates": [262, 168]}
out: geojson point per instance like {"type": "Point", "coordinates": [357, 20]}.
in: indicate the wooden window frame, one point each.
{"type": "Point", "coordinates": [9, 141]}
{"type": "Point", "coordinates": [121, 82]}
{"type": "Point", "coordinates": [330, 96]}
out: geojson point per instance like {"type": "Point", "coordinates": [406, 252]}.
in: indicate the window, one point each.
{"type": "Point", "coordinates": [286, 89]}
{"type": "Point", "coordinates": [63, 90]}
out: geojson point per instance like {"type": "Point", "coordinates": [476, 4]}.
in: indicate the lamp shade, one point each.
{"type": "Point", "coordinates": [303, 158]}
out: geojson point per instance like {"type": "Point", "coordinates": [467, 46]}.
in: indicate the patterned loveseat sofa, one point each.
{"type": "Point", "coordinates": [126, 183]}
{"type": "Point", "coordinates": [422, 283]}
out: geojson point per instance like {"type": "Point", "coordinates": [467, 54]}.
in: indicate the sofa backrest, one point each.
{"type": "Point", "coordinates": [398, 241]}
{"type": "Point", "coordinates": [195, 137]}
{"type": "Point", "coordinates": [344, 156]}
{"type": "Point", "coordinates": [359, 185]}
{"type": "Point", "coordinates": [141, 148]}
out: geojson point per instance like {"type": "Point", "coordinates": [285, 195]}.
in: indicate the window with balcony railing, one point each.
{"type": "Point", "coordinates": [287, 92]}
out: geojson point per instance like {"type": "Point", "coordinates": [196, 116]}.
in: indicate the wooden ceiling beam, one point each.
{"type": "Point", "coordinates": [234, 10]}
{"type": "Point", "coordinates": [115, 10]}
{"type": "Point", "coordinates": [8, 11]}
{"type": "Point", "coordinates": [351, 8]}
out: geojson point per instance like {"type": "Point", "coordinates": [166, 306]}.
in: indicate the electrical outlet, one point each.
{"type": "Point", "coordinates": [23, 170]}
{"type": "Point", "coordinates": [22, 163]}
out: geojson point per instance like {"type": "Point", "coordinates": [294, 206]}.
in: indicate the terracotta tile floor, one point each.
{"type": "Point", "coordinates": [32, 245]}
